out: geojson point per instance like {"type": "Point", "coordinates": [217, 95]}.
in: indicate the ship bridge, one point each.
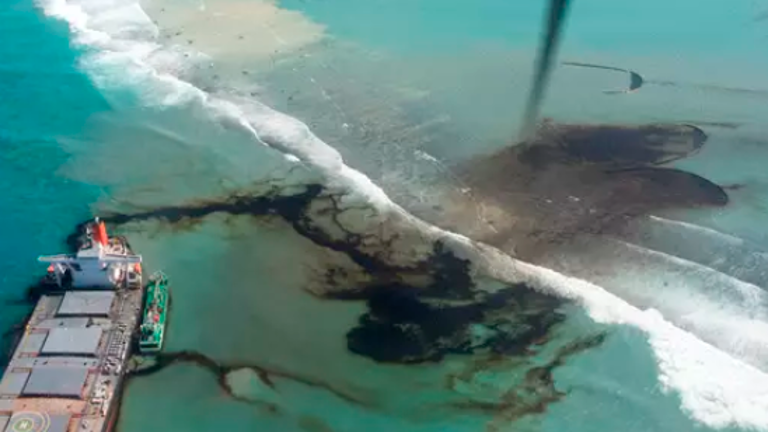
{"type": "Point", "coordinates": [102, 262]}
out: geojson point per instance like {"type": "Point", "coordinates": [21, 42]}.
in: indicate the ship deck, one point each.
{"type": "Point", "coordinates": [67, 371]}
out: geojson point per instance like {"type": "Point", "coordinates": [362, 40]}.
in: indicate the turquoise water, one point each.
{"type": "Point", "coordinates": [719, 28]}
{"type": "Point", "coordinates": [402, 90]}
{"type": "Point", "coordinates": [44, 98]}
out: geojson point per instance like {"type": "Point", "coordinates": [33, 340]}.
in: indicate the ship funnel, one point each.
{"type": "Point", "coordinates": [100, 234]}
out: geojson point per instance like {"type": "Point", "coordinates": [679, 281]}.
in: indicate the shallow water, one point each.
{"type": "Point", "coordinates": [407, 94]}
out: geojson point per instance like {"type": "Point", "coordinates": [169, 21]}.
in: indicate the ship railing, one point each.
{"type": "Point", "coordinates": [106, 258]}
{"type": "Point", "coordinates": [61, 258]}
{"type": "Point", "coordinates": [158, 276]}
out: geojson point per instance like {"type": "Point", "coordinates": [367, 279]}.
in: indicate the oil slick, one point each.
{"type": "Point", "coordinates": [569, 180]}
{"type": "Point", "coordinates": [266, 376]}
{"type": "Point", "coordinates": [563, 181]}
{"type": "Point", "coordinates": [635, 79]}
{"type": "Point", "coordinates": [418, 312]}
{"type": "Point", "coordinates": [535, 391]}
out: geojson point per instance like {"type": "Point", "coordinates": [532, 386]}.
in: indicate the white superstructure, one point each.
{"type": "Point", "coordinates": [102, 262]}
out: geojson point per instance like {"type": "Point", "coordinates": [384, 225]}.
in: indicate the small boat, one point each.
{"type": "Point", "coordinates": [155, 314]}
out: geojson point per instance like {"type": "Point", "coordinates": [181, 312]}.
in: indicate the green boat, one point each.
{"type": "Point", "coordinates": [155, 314]}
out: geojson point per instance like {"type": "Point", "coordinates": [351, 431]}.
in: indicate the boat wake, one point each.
{"type": "Point", "coordinates": [122, 51]}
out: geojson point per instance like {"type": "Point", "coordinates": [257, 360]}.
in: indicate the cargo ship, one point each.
{"type": "Point", "coordinates": [67, 371]}
{"type": "Point", "coordinates": [152, 331]}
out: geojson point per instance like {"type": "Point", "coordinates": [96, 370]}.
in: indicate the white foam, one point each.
{"type": "Point", "coordinates": [720, 309]}
{"type": "Point", "coordinates": [715, 388]}
{"type": "Point", "coordinates": [701, 230]}
{"type": "Point", "coordinates": [737, 292]}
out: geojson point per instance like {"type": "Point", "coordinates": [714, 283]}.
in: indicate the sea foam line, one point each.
{"type": "Point", "coordinates": [746, 295]}
{"type": "Point", "coordinates": [715, 388]}
{"type": "Point", "coordinates": [720, 309]}
{"type": "Point", "coordinates": [702, 230]}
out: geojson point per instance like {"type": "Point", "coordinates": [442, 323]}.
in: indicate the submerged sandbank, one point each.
{"type": "Point", "coordinates": [234, 29]}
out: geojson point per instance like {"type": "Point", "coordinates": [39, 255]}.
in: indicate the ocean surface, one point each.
{"type": "Point", "coordinates": [355, 235]}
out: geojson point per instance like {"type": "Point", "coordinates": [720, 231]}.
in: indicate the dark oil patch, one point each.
{"type": "Point", "coordinates": [611, 171]}
{"type": "Point", "coordinates": [609, 146]}
{"type": "Point", "coordinates": [716, 124]}
{"type": "Point", "coordinates": [407, 322]}
{"type": "Point", "coordinates": [567, 180]}
{"type": "Point", "coordinates": [719, 88]}
{"type": "Point", "coordinates": [635, 79]}
{"type": "Point", "coordinates": [220, 371]}
{"type": "Point", "coordinates": [734, 186]}
{"type": "Point", "coordinates": [571, 180]}
{"type": "Point", "coordinates": [405, 326]}
{"type": "Point", "coordinates": [536, 392]}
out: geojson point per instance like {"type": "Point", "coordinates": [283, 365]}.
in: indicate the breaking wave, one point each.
{"type": "Point", "coordinates": [121, 50]}
{"type": "Point", "coordinates": [728, 254]}
{"type": "Point", "coordinates": [719, 309]}
{"type": "Point", "coordinates": [700, 230]}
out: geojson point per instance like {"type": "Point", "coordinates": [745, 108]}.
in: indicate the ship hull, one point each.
{"type": "Point", "coordinates": [155, 315]}
{"type": "Point", "coordinates": [93, 324]}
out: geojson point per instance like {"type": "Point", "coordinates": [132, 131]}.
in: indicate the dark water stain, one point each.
{"type": "Point", "coordinates": [720, 88]}
{"type": "Point", "coordinates": [407, 322]}
{"type": "Point", "coordinates": [443, 305]}
{"type": "Point", "coordinates": [635, 79]}
{"type": "Point", "coordinates": [566, 180]}
{"type": "Point", "coordinates": [294, 209]}
{"type": "Point", "coordinates": [580, 179]}
{"type": "Point", "coordinates": [611, 146]}
{"type": "Point", "coordinates": [405, 326]}
{"type": "Point", "coordinates": [265, 374]}
{"type": "Point", "coordinates": [734, 186]}
{"type": "Point", "coordinates": [718, 124]}
{"type": "Point", "coordinates": [536, 392]}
